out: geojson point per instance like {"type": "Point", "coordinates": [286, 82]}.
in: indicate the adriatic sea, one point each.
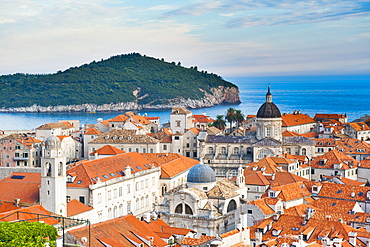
{"type": "Point", "coordinates": [310, 94]}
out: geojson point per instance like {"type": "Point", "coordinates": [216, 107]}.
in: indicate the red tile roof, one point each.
{"type": "Point", "coordinates": [289, 192]}
{"type": "Point", "coordinates": [75, 207]}
{"type": "Point", "coordinates": [29, 214]}
{"type": "Point", "coordinates": [88, 172]}
{"type": "Point", "coordinates": [92, 131]}
{"type": "Point", "coordinates": [119, 232]}
{"type": "Point", "coordinates": [202, 119]}
{"type": "Point", "coordinates": [22, 185]}
{"type": "Point", "coordinates": [171, 164]}
{"type": "Point", "coordinates": [119, 118]}
{"type": "Point", "coordinates": [108, 150]}
{"type": "Point", "coordinates": [334, 157]}
{"type": "Point", "coordinates": [296, 119]}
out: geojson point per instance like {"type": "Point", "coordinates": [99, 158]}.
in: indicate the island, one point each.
{"type": "Point", "coordinates": [122, 82]}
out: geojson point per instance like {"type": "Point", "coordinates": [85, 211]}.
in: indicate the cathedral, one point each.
{"type": "Point", "coordinates": [225, 153]}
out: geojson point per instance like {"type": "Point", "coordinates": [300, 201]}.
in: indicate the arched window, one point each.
{"type": "Point", "coordinates": [115, 212]}
{"type": "Point", "coordinates": [304, 151]}
{"type": "Point", "coordinates": [164, 189]}
{"type": "Point", "coordinates": [146, 200]}
{"type": "Point", "coordinates": [210, 150]}
{"type": "Point", "coordinates": [109, 213]}
{"type": "Point", "coordinates": [178, 209]}
{"type": "Point", "coordinates": [120, 210]}
{"type": "Point", "coordinates": [60, 169]}
{"type": "Point", "coordinates": [188, 210]}
{"type": "Point", "coordinates": [236, 150]}
{"type": "Point", "coordinates": [137, 204]}
{"type": "Point", "coordinates": [249, 150]}
{"type": "Point", "coordinates": [142, 202]}
{"type": "Point", "coordinates": [268, 131]}
{"type": "Point", "coordinates": [288, 150]}
{"type": "Point", "coordinates": [231, 206]}
{"type": "Point", "coordinates": [48, 169]}
{"type": "Point", "coordinates": [223, 150]}
{"type": "Point", "coordinates": [265, 153]}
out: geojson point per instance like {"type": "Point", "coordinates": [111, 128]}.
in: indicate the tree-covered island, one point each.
{"type": "Point", "coordinates": [122, 82]}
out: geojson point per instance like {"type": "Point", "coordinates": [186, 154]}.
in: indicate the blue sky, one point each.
{"type": "Point", "coordinates": [230, 38]}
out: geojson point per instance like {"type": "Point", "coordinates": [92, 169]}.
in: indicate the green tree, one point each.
{"type": "Point", "coordinates": [36, 234]}
{"type": "Point", "coordinates": [219, 122]}
{"type": "Point", "coordinates": [239, 117]}
{"type": "Point", "coordinates": [230, 117]}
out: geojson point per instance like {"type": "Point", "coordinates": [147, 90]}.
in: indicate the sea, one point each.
{"type": "Point", "coordinates": [310, 94]}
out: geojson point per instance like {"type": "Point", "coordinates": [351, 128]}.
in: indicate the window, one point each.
{"type": "Point", "coordinates": [187, 154]}
{"type": "Point", "coordinates": [268, 131]}
{"type": "Point", "coordinates": [137, 186]}
{"type": "Point", "coordinates": [187, 145]}
{"type": "Point", "coordinates": [120, 191]}
{"type": "Point", "coordinates": [109, 194]}
{"type": "Point", "coordinates": [25, 155]}
{"type": "Point", "coordinates": [164, 147]}
{"type": "Point", "coordinates": [177, 138]}
{"type": "Point", "coordinates": [146, 183]}
{"type": "Point", "coordinates": [128, 189]}
{"type": "Point", "coordinates": [195, 154]}
{"type": "Point", "coordinates": [99, 197]}
{"type": "Point", "coordinates": [210, 150]}
{"type": "Point", "coordinates": [115, 193]}
{"type": "Point", "coordinates": [68, 199]}
{"type": "Point", "coordinates": [223, 150]}
{"type": "Point", "coordinates": [144, 150]}
{"type": "Point", "coordinates": [16, 154]}
{"type": "Point", "coordinates": [151, 150]}
{"type": "Point", "coordinates": [249, 211]}
{"type": "Point", "coordinates": [236, 150]}
{"type": "Point", "coordinates": [137, 150]}
{"type": "Point", "coordinates": [82, 199]}
{"type": "Point", "coordinates": [304, 151]}
{"type": "Point", "coordinates": [178, 123]}
{"type": "Point", "coordinates": [320, 150]}
{"type": "Point", "coordinates": [128, 207]}
{"type": "Point", "coordinates": [288, 150]}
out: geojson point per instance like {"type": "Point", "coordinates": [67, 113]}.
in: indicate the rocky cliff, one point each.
{"type": "Point", "coordinates": [219, 95]}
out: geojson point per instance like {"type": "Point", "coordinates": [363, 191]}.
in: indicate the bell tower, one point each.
{"type": "Point", "coordinates": [53, 189]}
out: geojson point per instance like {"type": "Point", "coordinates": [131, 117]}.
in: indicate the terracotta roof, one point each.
{"type": "Point", "coordinates": [194, 130]}
{"type": "Point", "coordinates": [75, 207]}
{"type": "Point", "coordinates": [159, 226]}
{"type": "Point", "coordinates": [359, 126]}
{"type": "Point", "coordinates": [119, 118]}
{"type": "Point", "coordinates": [334, 205]}
{"type": "Point", "coordinates": [365, 164]}
{"type": "Point", "coordinates": [287, 133]}
{"type": "Point", "coordinates": [327, 142]}
{"type": "Point", "coordinates": [282, 178]}
{"type": "Point", "coordinates": [49, 126]}
{"type": "Point", "coordinates": [289, 192]}
{"type": "Point", "coordinates": [28, 214]}
{"type": "Point", "coordinates": [263, 205]}
{"type": "Point", "coordinates": [343, 192]}
{"type": "Point", "coordinates": [309, 135]}
{"type": "Point", "coordinates": [255, 178]}
{"type": "Point", "coordinates": [352, 146]}
{"type": "Point", "coordinates": [28, 141]}
{"type": "Point", "coordinates": [108, 150]}
{"type": "Point", "coordinates": [89, 172]}
{"type": "Point", "coordinates": [296, 119]}
{"type": "Point", "coordinates": [92, 131]}
{"type": "Point", "coordinates": [22, 185]}
{"type": "Point", "coordinates": [171, 164]}
{"type": "Point", "coordinates": [123, 136]}
{"type": "Point", "coordinates": [196, 241]}
{"type": "Point", "coordinates": [269, 165]}
{"type": "Point", "coordinates": [119, 231]}
{"type": "Point", "coordinates": [180, 110]}
{"type": "Point", "coordinates": [332, 158]}
{"type": "Point", "coordinates": [334, 116]}
{"type": "Point", "coordinates": [202, 119]}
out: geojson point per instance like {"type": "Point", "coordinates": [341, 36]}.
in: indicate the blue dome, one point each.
{"type": "Point", "coordinates": [201, 173]}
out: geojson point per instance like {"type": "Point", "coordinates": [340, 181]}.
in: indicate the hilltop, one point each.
{"type": "Point", "coordinates": [122, 82]}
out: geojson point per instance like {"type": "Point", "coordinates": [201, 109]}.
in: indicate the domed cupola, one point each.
{"type": "Point", "coordinates": [202, 177]}
{"type": "Point", "coordinates": [52, 142]}
{"type": "Point", "coordinates": [268, 121]}
{"type": "Point", "coordinates": [268, 109]}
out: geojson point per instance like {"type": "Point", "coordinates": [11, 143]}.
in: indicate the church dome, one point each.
{"type": "Point", "coordinates": [201, 173]}
{"type": "Point", "coordinates": [52, 142]}
{"type": "Point", "coordinates": [268, 109]}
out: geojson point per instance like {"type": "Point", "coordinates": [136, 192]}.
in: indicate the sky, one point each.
{"type": "Point", "coordinates": [232, 38]}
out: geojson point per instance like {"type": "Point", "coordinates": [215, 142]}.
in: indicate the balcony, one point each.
{"type": "Point", "coordinates": [21, 158]}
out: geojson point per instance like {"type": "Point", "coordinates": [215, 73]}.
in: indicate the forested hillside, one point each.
{"type": "Point", "coordinates": [122, 78]}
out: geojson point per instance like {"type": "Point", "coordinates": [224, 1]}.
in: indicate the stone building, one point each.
{"type": "Point", "coordinates": [204, 205]}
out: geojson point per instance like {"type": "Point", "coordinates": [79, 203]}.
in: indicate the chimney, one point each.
{"type": "Point", "coordinates": [352, 238]}
{"type": "Point", "coordinates": [16, 202]}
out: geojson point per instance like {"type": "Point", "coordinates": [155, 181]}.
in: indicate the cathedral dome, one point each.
{"type": "Point", "coordinates": [52, 142]}
{"type": "Point", "coordinates": [201, 173]}
{"type": "Point", "coordinates": [268, 109]}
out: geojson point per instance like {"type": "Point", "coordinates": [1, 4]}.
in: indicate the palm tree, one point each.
{"type": "Point", "coordinates": [219, 122]}
{"type": "Point", "coordinates": [230, 117]}
{"type": "Point", "coordinates": [239, 117]}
